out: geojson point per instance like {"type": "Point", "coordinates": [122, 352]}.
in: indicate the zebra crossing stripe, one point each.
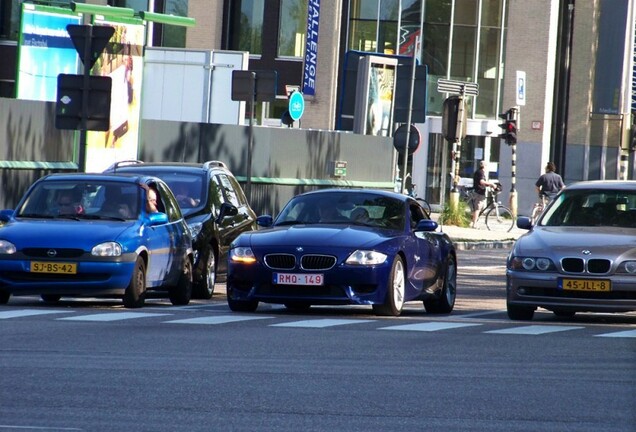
{"type": "Point", "coordinates": [320, 323]}
{"type": "Point", "coordinates": [535, 329]}
{"type": "Point", "coordinates": [220, 319]}
{"type": "Point", "coordinates": [620, 334]}
{"type": "Point", "coordinates": [112, 316]}
{"type": "Point", "coordinates": [28, 312]}
{"type": "Point", "coordinates": [429, 327]}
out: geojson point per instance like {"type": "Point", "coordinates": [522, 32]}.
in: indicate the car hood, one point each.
{"type": "Point", "coordinates": [53, 233]}
{"type": "Point", "coordinates": [345, 236]}
{"type": "Point", "coordinates": [573, 240]}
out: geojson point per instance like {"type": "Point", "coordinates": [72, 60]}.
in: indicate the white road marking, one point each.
{"type": "Point", "coordinates": [620, 334]}
{"type": "Point", "coordinates": [320, 323]}
{"type": "Point", "coordinates": [535, 329]}
{"type": "Point", "coordinates": [28, 312]}
{"type": "Point", "coordinates": [221, 319]}
{"type": "Point", "coordinates": [478, 314]}
{"type": "Point", "coordinates": [429, 327]}
{"type": "Point", "coordinates": [112, 316]}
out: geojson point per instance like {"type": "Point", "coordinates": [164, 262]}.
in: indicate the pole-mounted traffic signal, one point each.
{"type": "Point", "coordinates": [509, 127]}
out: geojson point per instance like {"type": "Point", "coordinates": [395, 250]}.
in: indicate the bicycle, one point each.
{"type": "Point", "coordinates": [495, 215]}
{"type": "Point", "coordinates": [537, 209]}
{"type": "Point", "coordinates": [411, 191]}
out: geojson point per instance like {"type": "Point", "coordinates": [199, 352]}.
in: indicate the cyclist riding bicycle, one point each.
{"type": "Point", "coordinates": [480, 183]}
{"type": "Point", "coordinates": [550, 183]}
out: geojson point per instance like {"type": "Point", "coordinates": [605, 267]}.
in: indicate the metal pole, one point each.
{"type": "Point", "coordinates": [86, 60]}
{"type": "Point", "coordinates": [513, 179]}
{"type": "Point", "coordinates": [405, 159]}
{"type": "Point", "coordinates": [248, 184]}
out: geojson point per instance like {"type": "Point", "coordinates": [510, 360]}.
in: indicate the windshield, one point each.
{"type": "Point", "coordinates": [82, 200]}
{"type": "Point", "coordinates": [354, 208]}
{"type": "Point", "coordinates": [588, 208]}
{"type": "Point", "coordinates": [188, 189]}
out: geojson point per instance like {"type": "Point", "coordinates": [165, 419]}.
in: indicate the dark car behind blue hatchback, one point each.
{"type": "Point", "coordinates": [338, 247]}
{"type": "Point", "coordinates": [214, 206]}
{"type": "Point", "coordinates": [80, 235]}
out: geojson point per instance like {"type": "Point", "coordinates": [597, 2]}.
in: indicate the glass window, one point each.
{"type": "Point", "coordinates": [246, 27]}
{"type": "Point", "coordinates": [491, 13]}
{"type": "Point", "coordinates": [163, 35]}
{"type": "Point", "coordinates": [464, 50]}
{"type": "Point", "coordinates": [228, 190]}
{"type": "Point", "coordinates": [174, 36]}
{"type": "Point", "coordinates": [10, 19]}
{"type": "Point", "coordinates": [488, 73]}
{"type": "Point", "coordinates": [293, 21]}
{"type": "Point", "coordinates": [137, 5]}
{"type": "Point", "coordinates": [466, 12]}
{"type": "Point", "coordinates": [373, 26]}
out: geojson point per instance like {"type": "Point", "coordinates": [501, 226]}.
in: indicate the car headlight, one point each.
{"type": "Point", "coordinates": [195, 229]}
{"type": "Point", "coordinates": [627, 267]}
{"type": "Point", "coordinates": [366, 257]}
{"type": "Point", "coordinates": [107, 249]}
{"type": "Point", "coordinates": [531, 264]}
{"type": "Point", "coordinates": [242, 255]}
{"type": "Point", "coordinates": [7, 247]}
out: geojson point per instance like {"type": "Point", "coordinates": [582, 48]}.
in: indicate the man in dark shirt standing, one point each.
{"type": "Point", "coordinates": [550, 183]}
{"type": "Point", "coordinates": [480, 183]}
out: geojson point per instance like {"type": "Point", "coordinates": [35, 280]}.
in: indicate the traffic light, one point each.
{"type": "Point", "coordinates": [509, 127]}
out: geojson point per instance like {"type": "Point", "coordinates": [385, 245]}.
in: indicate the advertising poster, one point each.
{"type": "Point", "coordinates": [375, 95]}
{"type": "Point", "coordinates": [380, 100]}
{"type": "Point", "coordinates": [122, 60]}
{"type": "Point", "coordinates": [45, 51]}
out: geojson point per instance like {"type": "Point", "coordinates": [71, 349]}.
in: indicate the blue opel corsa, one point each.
{"type": "Point", "coordinates": [336, 247]}
{"type": "Point", "coordinates": [96, 235]}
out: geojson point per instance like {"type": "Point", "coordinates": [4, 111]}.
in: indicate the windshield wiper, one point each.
{"type": "Point", "coordinates": [100, 217]}
{"type": "Point", "coordinates": [63, 216]}
{"type": "Point", "coordinates": [35, 215]}
{"type": "Point", "coordinates": [289, 222]}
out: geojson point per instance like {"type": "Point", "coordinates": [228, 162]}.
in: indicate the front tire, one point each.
{"type": "Point", "coordinates": [181, 293]}
{"type": "Point", "coordinates": [51, 298]}
{"type": "Point", "coordinates": [394, 300]}
{"type": "Point", "coordinates": [204, 289]}
{"type": "Point", "coordinates": [297, 307]}
{"type": "Point", "coordinates": [520, 313]}
{"type": "Point", "coordinates": [4, 297]}
{"type": "Point", "coordinates": [242, 305]}
{"type": "Point", "coordinates": [446, 300]}
{"type": "Point", "coordinates": [135, 294]}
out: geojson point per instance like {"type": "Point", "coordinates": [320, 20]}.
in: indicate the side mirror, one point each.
{"type": "Point", "coordinates": [158, 219]}
{"type": "Point", "coordinates": [524, 222]}
{"type": "Point", "coordinates": [5, 215]}
{"type": "Point", "coordinates": [265, 221]}
{"type": "Point", "coordinates": [426, 225]}
{"type": "Point", "coordinates": [226, 210]}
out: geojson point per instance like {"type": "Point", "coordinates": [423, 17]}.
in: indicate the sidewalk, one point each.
{"type": "Point", "coordinates": [471, 238]}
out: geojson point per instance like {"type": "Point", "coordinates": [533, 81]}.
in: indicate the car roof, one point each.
{"type": "Point", "coordinates": [140, 166]}
{"type": "Point", "coordinates": [381, 192]}
{"type": "Point", "coordinates": [603, 185]}
{"type": "Point", "coordinates": [126, 178]}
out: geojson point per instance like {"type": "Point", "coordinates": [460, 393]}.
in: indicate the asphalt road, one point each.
{"type": "Point", "coordinates": [87, 365]}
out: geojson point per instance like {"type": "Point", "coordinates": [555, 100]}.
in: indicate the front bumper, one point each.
{"type": "Point", "coordinates": [343, 284]}
{"type": "Point", "coordinates": [542, 290]}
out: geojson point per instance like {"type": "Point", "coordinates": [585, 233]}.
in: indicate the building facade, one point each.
{"type": "Point", "coordinates": [567, 65]}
